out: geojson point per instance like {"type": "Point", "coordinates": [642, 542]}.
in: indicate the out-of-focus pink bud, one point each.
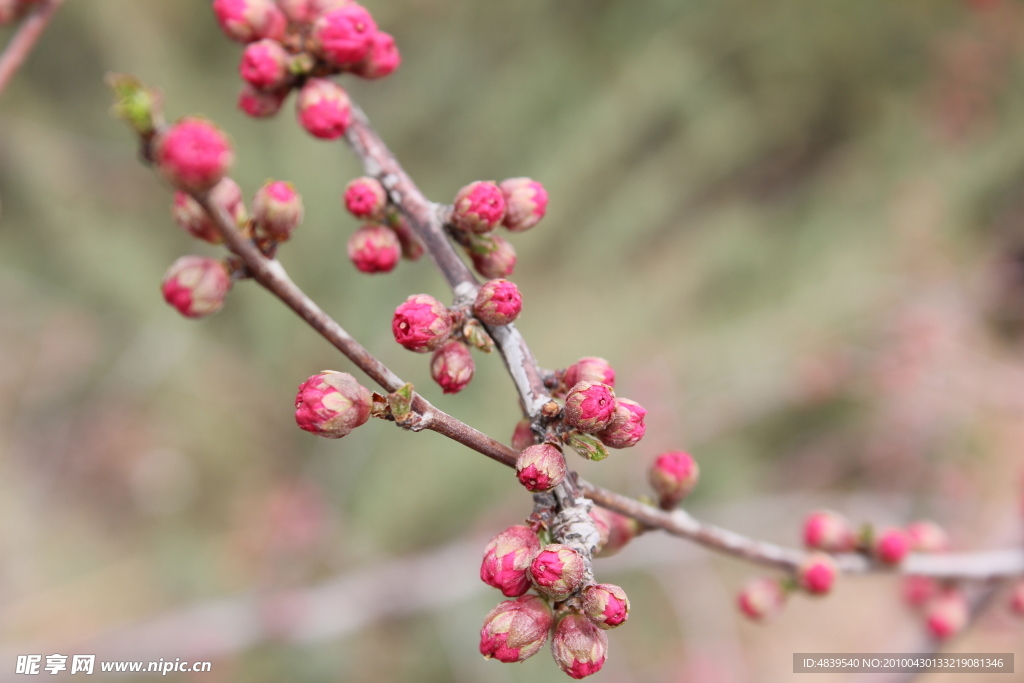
{"type": "Point", "coordinates": [578, 646]}
{"type": "Point", "coordinates": [498, 302]}
{"type": "Point", "coordinates": [193, 154]}
{"type": "Point", "coordinates": [515, 629]}
{"type": "Point", "coordinates": [261, 104]}
{"type": "Point", "coordinates": [507, 560]}
{"type": "Point", "coordinates": [919, 590]}
{"type": "Point", "coordinates": [305, 12]}
{"type": "Point", "coordinates": [324, 109]}
{"type": "Point", "coordinates": [265, 64]}
{"type": "Point", "coordinates": [522, 436]}
{"type": "Point", "coordinates": [817, 573]}
{"type": "Point", "coordinates": [195, 221]}
{"type": "Point", "coordinates": [620, 530]}
{"type": "Point", "coordinates": [478, 207]}
{"type": "Point", "coordinates": [13, 10]}
{"type": "Point", "coordinates": [249, 20]}
{"type": "Point", "coordinates": [946, 615]}
{"type": "Point", "coordinates": [891, 545]}
{"type": "Point", "coordinates": [493, 257]}
{"type": "Point", "coordinates": [452, 367]}
{"type": "Point", "coordinates": [540, 467]}
{"type": "Point", "coordinates": [927, 537]}
{"type": "Point", "coordinates": [762, 598]}
{"type": "Point", "coordinates": [526, 202]}
{"type": "Point", "coordinates": [606, 605]}
{"type": "Point", "coordinates": [343, 36]}
{"type": "Point", "coordinates": [1017, 599]}
{"type": "Point", "coordinates": [366, 198]}
{"type": "Point", "coordinates": [627, 426]}
{"type": "Point", "coordinates": [374, 249]}
{"type": "Point", "coordinates": [196, 286]}
{"type": "Point", "coordinates": [332, 404]}
{"type": "Point", "coordinates": [590, 369]}
{"type": "Point", "coordinates": [673, 476]}
{"type": "Point", "coordinates": [421, 324]}
{"type": "Point", "coordinates": [829, 531]}
{"type": "Point", "coordinates": [557, 571]}
{"type": "Point", "coordinates": [278, 209]}
{"type": "Point", "coordinates": [382, 59]}
{"type": "Point", "coordinates": [589, 407]}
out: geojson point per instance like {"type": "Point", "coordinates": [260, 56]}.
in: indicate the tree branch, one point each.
{"type": "Point", "coordinates": [20, 46]}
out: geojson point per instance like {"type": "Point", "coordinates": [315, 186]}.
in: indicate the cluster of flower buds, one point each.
{"type": "Point", "coordinates": [385, 237]}
{"type": "Point", "coordinates": [13, 10]}
{"type": "Point", "coordinates": [300, 44]}
{"type": "Point", "coordinates": [479, 208]}
{"type": "Point", "coordinates": [515, 562]}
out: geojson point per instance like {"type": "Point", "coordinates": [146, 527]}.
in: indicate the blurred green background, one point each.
{"type": "Point", "coordinates": [796, 230]}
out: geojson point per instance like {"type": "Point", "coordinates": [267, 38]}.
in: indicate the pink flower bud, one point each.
{"type": "Point", "coordinates": [374, 249]}
{"type": "Point", "coordinates": [673, 475]}
{"type": "Point", "coordinates": [516, 629]}
{"type": "Point", "coordinates": [332, 404]}
{"type": "Point", "coordinates": [627, 426]}
{"type": "Point", "coordinates": [196, 286]}
{"type": "Point", "coordinates": [927, 537]}
{"type": "Point", "coordinates": [829, 531]}
{"type": "Point", "coordinates": [265, 64]}
{"type": "Point", "coordinates": [589, 407]}
{"type": "Point", "coordinates": [421, 324]}
{"type": "Point", "coordinates": [616, 530]}
{"type": "Point", "coordinates": [194, 220]}
{"type": "Point", "coordinates": [412, 248]}
{"type": "Point", "coordinates": [306, 11]}
{"type": "Point", "coordinates": [324, 109]}
{"type": "Point", "coordinates": [193, 154]}
{"type": "Point", "coordinates": [891, 545]}
{"type": "Point", "coordinates": [366, 198]}
{"type": "Point", "coordinates": [478, 207]}
{"type": "Point", "coordinates": [947, 614]}
{"type": "Point", "coordinates": [817, 573]}
{"type": "Point", "coordinates": [249, 20]}
{"type": "Point", "coordinates": [540, 467]}
{"type": "Point", "coordinates": [507, 560]}
{"type": "Point", "coordinates": [558, 571]}
{"type": "Point", "coordinates": [590, 369]}
{"type": "Point", "coordinates": [498, 302]}
{"type": "Point", "coordinates": [382, 59]}
{"type": "Point", "coordinates": [919, 590]}
{"type": "Point", "coordinates": [495, 260]}
{"type": "Point", "coordinates": [278, 209]}
{"type": "Point", "coordinates": [579, 647]}
{"type": "Point", "coordinates": [526, 202]}
{"type": "Point", "coordinates": [452, 367]}
{"type": "Point", "coordinates": [522, 436]}
{"type": "Point", "coordinates": [762, 598]}
{"type": "Point", "coordinates": [261, 104]}
{"type": "Point", "coordinates": [1017, 599]}
{"type": "Point", "coordinates": [606, 605]}
{"type": "Point", "coordinates": [343, 36]}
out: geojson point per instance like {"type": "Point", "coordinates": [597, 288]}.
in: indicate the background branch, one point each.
{"type": "Point", "coordinates": [20, 46]}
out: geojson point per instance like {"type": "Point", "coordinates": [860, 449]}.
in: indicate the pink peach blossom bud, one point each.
{"type": "Point", "coordinates": [261, 104]}
{"type": "Point", "coordinates": [324, 109]}
{"type": "Point", "coordinates": [817, 573]}
{"type": "Point", "coordinates": [422, 323]}
{"type": "Point", "coordinates": [947, 614]}
{"type": "Point", "coordinates": [498, 302]}
{"type": "Point", "coordinates": [382, 59]}
{"type": "Point", "coordinates": [1017, 599]}
{"type": "Point", "coordinates": [412, 248]}
{"type": "Point", "coordinates": [507, 560]}
{"type": "Point", "coordinates": [452, 367]}
{"type": "Point", "coordinates": [590, 369]}
{"type": "Point", "coordinates": [606, 605]}
{"type": "Point", "coordinates": [196, 285]}
{"type": "Point", "coordinates": [344, 36]}
{"type": "Point", "coordinates": [673, 475]}
{"type": "Point", "coordinates": [603, 526]}
{"type": "Point", "coordinates": [332, 404]}
{"type": "Point", "coordinates": [249, 20]}
{"type": "Point", "coordinates": [306, 11]}
{"type": "Point", "coordinates": [891, 545]}
{"type": "Point", "coordinates": [919, 590]}
{"type": "Point", "coordinates": [526, 202]}
{"type": "Point", "coordinates": [589, 407]}
{"type": "Point", "coordinates": [829, 531]}
{"type": "Point", "coordinates": [579, 647]}
{"type": "Point", "coordinates": [374, 249]}
{"type": "Point", "coordinates": [193, 154]}
{"type": "Point", "coordinates": [516, 629]}
{"type": "Point", "coordinates": [265, 64]}
{"type": "Point", "coordinates": [194, 220]}
{"type": "Point", "coordinates": [762, 598]}
{"type": "Point", "coordinates": [278, 209]}
{"type": "Point", "coordinates": [927, 537]}
{"type": "Point", "coordinates": [493, 257]}
{"type": "Point", "coordinates": [620, 530]}
{"type": "Point", "coordinates": [522, 436]}
{"type": "Point", "coordinates": [366, 198]}
{"type": "Point", "coordinates": [627, 426]}
{"type": "Point", "coordinates": [540, 467]}
{"type": "Point", "coordinates": [478, 207]}
{"type": "Point", "coordinates": [557, 571]}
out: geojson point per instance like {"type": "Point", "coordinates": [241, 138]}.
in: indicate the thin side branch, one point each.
{"type": "Point", "coordinates": [20, 46]}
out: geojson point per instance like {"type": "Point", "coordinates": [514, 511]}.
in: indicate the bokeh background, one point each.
{"type": "Point", "coordinates": [796, 230]}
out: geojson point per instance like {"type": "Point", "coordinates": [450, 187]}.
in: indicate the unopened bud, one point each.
{"type": "Point", "coordinates": [606, 605]}
{"type": "Point", "coordinates": [829, 531]}
{"type": "Point", "coordinates": [194, 220]}
{"type": "Point", "coordinates": [587, 445]}
{"type": "Point", "coordinates": [947, 614]}
{"type": "Point", "coordinates": [196, 286]}
{"type": "Point", "coordinates": [478, 207]}
{"type": "Point", "coordinates": [927, 537]}
{"type": "Point", "coordinates": [673, 476]}
{"type": "Point", "coordinates": [919, 590]}
{"type": "Point", "coordinates": [374, 249]}
{"type": "Point", "coordinates": [249, 20]}
{"type": "Point", "coordinates": [452, 367]}
{"type": "Point", "coordinates": [627, 426]}
{"type": "Point", "coordinates": [476, 336]}
{"type": "Point", "coordinates": [306, 11]}
{"type": "Point", "coordinates": [817, 573]}
{"type": "Point", "coordinates": [589, 406]}
{"type": "Point", "coordinates": [498, 302]}
{"type": "Point", "coordinates": [493, 256]}
{"type": "Point", "coordinates": [332, 404]}
{"type": "Point", "coordinates": [590, 369]}
{"type": "Point", "coordinates": [540, 467]}
{"type": "Point", "coordinates": [579, 647]}
{"type": "Point", "coordinates": [421, 323]}
{"type": "Point", "coordinates": [382, 59]}
{"type": "Point", "coordinates": [324, 109]}
{"type": "Point", "coordinates": [265, 64]}
{"type": "Point", "coordinates": [762, 598]}
{"type": "Point", "coordinates": [412, 248]}
{"type": "Point", "coordinates": [891, 545]}
{"type": "Point", "coordinates": [366, 198]}
{"type": "Point", "coordinates": [193, 154]}
{"type": "Point", "coordinates": [343, 36]}
{"type": "Point", "coordinates": [515, 629]}
{"type": "Point", "coordinates": [526, 202]}
{"type": "Point", "coordinates": [522, 436]}
{"type": "Point", "coordinates": [557, 571]}
{"type": "Point", "coordinates": [1017, 599]}
{"type": "Point", "coordinates": [507, 560]}
{"type": "Point", "coordinates": [261, 104]}
{"type": "Point", "coordinates": [278, 209]}
{"type": "Point", "coordinates": [620, 530]}
{"type": "Point", "coordinates": [138, 106]}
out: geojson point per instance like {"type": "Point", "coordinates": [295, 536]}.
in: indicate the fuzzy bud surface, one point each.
{"type": "Point", "coordinates": [891, 545]}
{"type": "Point", "coordinates": [265, 64]}
{"type": "Point", "coordinates": [507, 560]}
{"type": "Point", "coordinates": [606, 605]}
{"type": "Point", "coordinates": [627, 426]}
{"type": "Point", "coordinates": [829, 531]}
{"type": "Point", "coordinates": [478, 207]}
{"type": "Point", "coordinates": [579, 647]}
{"type": "Point", "coordinates": [493, 257]}
{"type": "Point", "coordinates": [194, 220]}
{"type": "Point", "coordinates": [927, 537]}
{"type": "Point", "coordinates": [498, 302]}
{"type": "Point", "coordinates": [557, 571]}
{"type": "Point", "coordinates": [817, 573]}
{"type": "Point", "coordinates": [196, 286]}
{"type": "Point", "coordinates": [522, 435]}
{"type": "Point", "coordinates": [324, 109]}
{"type": "Point", "coordinates": [249, 20]}
{"type": "Point", "coordinates": [762, 598]}
{"type": "Point", "coordinates": [526, 202]}
{"type": "Point", "coordinates": [947, 614]}
{"type": "Point", "coordinates": [589, 407]}
{"type": "Point", "coordinates": [516, 629]}
{"type": "Point", "coordinates": [382, 59]}
{"type": "Point", "coordinates": [919, 590]}
{"type": "Point", "coordinates": [673, 476]}
{"type": "Point", "coordinates": [278, 209]}
{"type": "Point", "coordinates": [421, 324]}
{"type": "Point", "coordinates": [590, 369]}
{"type": "Point", "coordinates": [540, 467]}
{"type": "Point", "coordinates": [620, 530]}
{"type": "Point", "coordinates": [366, 198]}
{"type": "Point", "coordinates": [193, 154]}
{"type": "Point", "coordinates": [344, 36]}
{"type": "Point", "coordinates": [332, 404]}
{"type": "Point", "coordinates": [261, 104]}
{"type": "Point", "coordinates": [452, 367]}
{"type": "Point", "coordinates": [374, 249]}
